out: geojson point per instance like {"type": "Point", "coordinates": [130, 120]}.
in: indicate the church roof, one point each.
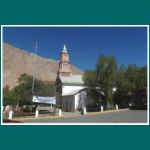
{"type": "Point", "coordinates": [74, 92]}
{"type": "Point", "coordinates": [73, 80]}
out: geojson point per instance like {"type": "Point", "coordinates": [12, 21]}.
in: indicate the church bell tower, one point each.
{"type": "Point", "coordinates": [64, 66]}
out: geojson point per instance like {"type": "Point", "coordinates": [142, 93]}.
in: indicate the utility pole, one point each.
{"type": "Point", "coordinates": [34, 62]}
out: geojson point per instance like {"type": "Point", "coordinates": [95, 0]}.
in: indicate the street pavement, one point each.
{"type": "Point", "coordinates": [127, 116]}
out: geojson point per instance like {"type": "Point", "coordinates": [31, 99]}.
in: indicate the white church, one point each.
{"type": "Point", "coordinates": [70, 90]}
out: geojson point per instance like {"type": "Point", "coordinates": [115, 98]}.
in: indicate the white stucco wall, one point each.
{"type": "Point", "coordinates": [75, 101]}
{"type": "Point", "coordinates": [80, 100]}
{"type": "Point", "coordinates": [76, 105]}
{"type": "Point", "coordinates": [67, 89]}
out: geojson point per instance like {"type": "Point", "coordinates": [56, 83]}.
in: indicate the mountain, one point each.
{"type": "Point", "coordinates": [17, 61]}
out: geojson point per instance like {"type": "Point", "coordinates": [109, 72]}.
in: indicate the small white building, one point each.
{"type": "Point", "coordinates": [74, 100]}
{"type": "Point", "coordinates": [70, 89]}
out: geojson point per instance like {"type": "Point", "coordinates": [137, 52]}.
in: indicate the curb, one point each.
{"type": "Point", "coordinates": [37, 118]}
{"type": "Point", "coordinates": [109, 111]}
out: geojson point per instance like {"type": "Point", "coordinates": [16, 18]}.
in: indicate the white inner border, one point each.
{"type": "Point", "coordinates": [2, 26]}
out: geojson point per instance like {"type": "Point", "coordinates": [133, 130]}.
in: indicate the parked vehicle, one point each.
{"type": "Point", "coordinates": [139, 100]}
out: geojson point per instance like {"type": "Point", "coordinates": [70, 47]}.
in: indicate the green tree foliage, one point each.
{"type": "Point", "coordinates": [142, 76]}
{"type": "Point", "coordinates": [123, 87]}
{"type": "Point", "coordinates": [22, 93]}
{"type": "Point", "coordinates": [129, 80]}
{"type": "Point", "coordinates": [24, 88]}
{"type": "Point", "coordinates": [136, 76]}
{"type": "Point", "coordinates": [47, 89]}
{"type": "Point", "coordinates": [90, 81]}
{"type": "Point", "coordinates": [10, 96]}
{"type": "Point", "coordinates": [132, 76]}
{"type": "Point", "coordinates": [106, 74]}
{"type": "Point", "coordinates": [6, 95]}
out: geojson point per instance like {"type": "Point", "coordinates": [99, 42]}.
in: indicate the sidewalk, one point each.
{"type": "Point", "coordinates": [75, 114]}
{"type": "Point", "coordinates": [66, 115]}
{"type": "Point", "coordinates": [71, 114]}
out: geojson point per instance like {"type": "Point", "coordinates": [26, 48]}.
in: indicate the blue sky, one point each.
{"type": "Point", "coordinates": [84, 44]}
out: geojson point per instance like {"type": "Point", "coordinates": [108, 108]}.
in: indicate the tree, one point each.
{"type": "Point", "coordinates": [47, 88]}
{"type": "Point", "coordinates": [6, 95]}
{"type": "Point", "coordinates": [108, 75]}
{"type": "Point", "coordinates": [142, 77]}
{"type": "Point", "coordinates": [89, 79]}
{"type": "Point", "coordinates": [24, 88]}
{"type": "Point", "coordinates": [136, 76]}
{"type": "Point", "coordinates": [128, 81]}
{"type": "Point", "coordinates": [5, 91]}
{"type": "Point", "coordinates": [102, 79]}
{"type": "Point", "coordinates": [132, 76]}
{"type": "Point", "coordinates": [122, 86]}
{"type": "Point", "coordinates": [22, 93]}
{"type": "Point", "coordinates": [41, 88]}
{"type": "Point", "coordinates": [106, 68]}
{"type": "Point", "coordinates": [10, 97]}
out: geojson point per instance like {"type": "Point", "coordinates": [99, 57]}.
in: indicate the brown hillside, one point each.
{"type": "Point", "coordinates": [17, 61]}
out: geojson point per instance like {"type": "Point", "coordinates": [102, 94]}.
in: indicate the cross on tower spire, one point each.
{"type": "Point", "coordinates": [36, 45]}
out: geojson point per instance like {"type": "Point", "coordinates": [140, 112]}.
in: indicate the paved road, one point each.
{"type": "Point", "coordinates": [128, 116]}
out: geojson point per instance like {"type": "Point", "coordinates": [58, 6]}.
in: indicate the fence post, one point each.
{"type": "Point", "coordinates": [59, 112]}
{"type": "Point", "coordinates": [102, 108]}
{"type": "Point", "coordinates": [37, 113]}
{"type": "Point", "coordinates": [84, 111]}
{"type": "Point", "coordinates": [10, 114]}
{"type": "Point", "coordinates": [116, 107]}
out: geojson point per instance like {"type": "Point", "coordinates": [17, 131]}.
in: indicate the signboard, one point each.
{"type": "Point", "coordinates": [47, 100]}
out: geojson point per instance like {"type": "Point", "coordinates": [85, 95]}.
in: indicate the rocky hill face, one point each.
{"type": "Point", "coordinates": [17, 61]}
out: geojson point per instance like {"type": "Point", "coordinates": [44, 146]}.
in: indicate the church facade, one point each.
{"type": "Point", "coordinates": [70, 89]}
